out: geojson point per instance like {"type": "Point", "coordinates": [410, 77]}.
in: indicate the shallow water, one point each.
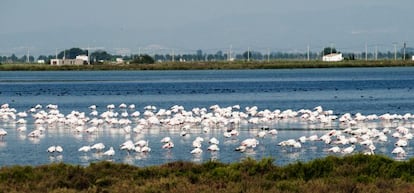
{"type": "Point", "coordinates": [353, 90]}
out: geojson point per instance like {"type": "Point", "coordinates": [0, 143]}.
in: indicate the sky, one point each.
{"type": "Point", "coordinates": [152, 26]}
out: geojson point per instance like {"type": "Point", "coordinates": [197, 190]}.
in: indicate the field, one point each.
{"type": "Point", "coordinates": [276, 64]}
{"type": "Point", "coordinates": [356, 173]}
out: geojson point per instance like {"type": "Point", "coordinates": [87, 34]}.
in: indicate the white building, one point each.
{"type": "Point", "coordinates": [83, 57]}
{"type": "Point", "coordinates": [80, 60]}
{"type": "Point", "coordinates": [59, 62]}
{"type": "Point", "coordinates": [334, 57]}
{"type": "Point", "coordinates": [119, 60]}
{"type": "Point", "coordinates": [412, 58]}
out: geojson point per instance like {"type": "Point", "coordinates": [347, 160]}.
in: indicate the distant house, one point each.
{"type": "Point", "coordinates": [40, 61]}
{"type": "Point", "coordinates": [412, 58]}
{"type": "Point", "coordinates": [334, 57]}
{"type": "Point", "coordinates": [85, 58]}
{"type": "Point", "coordinates": [80, 60]}
{"type": "Point", "coordinates": [119, 60]}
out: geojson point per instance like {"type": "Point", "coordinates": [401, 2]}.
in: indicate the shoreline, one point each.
{"type": "Point", "coordinates": [356, 173]}
{"type": "Point", "coordinates": [237, 65]}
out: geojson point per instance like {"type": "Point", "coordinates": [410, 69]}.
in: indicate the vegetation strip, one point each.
{"type": "Point", "coordinates": [356, 173]}
{"type": "Point", "coordinates": [282, 64]}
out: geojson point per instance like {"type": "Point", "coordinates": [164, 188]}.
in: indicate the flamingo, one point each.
{"type": "Point", "coordinates": [53, 149]}
{"type": "Point", "coordinates": [272, 132]}
{"type": "Point", "coordinates": [334, 149]}
{"type": "Point", "coordinates": [168, 145]}
{"type": "Point", "coordinates": [165, 140]}
{"type": "Point", "coordinates": [241, 148]}
{"type": "Point", "coordinates": [213, 147]}
{"type": "Point", "coordinates": [98, 147]}
{"type": "Point", "coordinates": [110, 152]}
{"type": "Point", "coordinates": [227, 134]}
{"type": "Point", "coordinates": [196, 150]}
{"type": "Point", "coordinates": [145, 149]}
{"type": "Point", "coordinates": [399, 151]}
{"type": "Point", "coordinates": [197, 143]}
{"type": "Point", "coordinates": [141, 143]}
{"type": "Point", "coordinates": [21, 129]}
{"type": "Point", "coordinates": [122, 106]}
{"type": "Point", "coordinates": [313, 138]}
{"type": "Point", "coordinates": [401, 143]}
{"type": "Point", "coordinates": [35, 133]}
{"type": "Point", "coordinates": [261, 134]}
{"type": "Point", "coordinates": [348, 150]}
{"type": "Point", "coordinates": [85, 148]}
{"type": "Point", "coordinates": [214, 141]}
{"type": "Point", "coordinates": [302, 139]}
{"type": "Point", "coordinates": [59, 149]}
{"type": "Point", "coordinates": [2, 133]}
{"type": "Point", "coordinates": [128, 146]}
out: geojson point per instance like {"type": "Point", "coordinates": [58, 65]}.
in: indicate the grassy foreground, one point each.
{"type": "Point", "coordinates": [276, 64]}
{"type": "Point", "coordinates": [357, 173]}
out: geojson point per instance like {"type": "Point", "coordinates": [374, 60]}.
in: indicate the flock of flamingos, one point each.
{"type": "Point", "coordinates": [352, 129]}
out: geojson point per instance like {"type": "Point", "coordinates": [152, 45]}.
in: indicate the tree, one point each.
{"type": "Point", "coordinates": [13, 58]}
{"type": "Point", "coordinates": [143, 59]}
{"type": "Point", "coordinates": [329, 50]}
{"type": "Point", "coordinates": [72, 53]}
{"type": "Point", "coordinates": [248, 55]}
{"type": "Point", "coordinates": [101, 55]}
{"type": "Point", "coordinates": [199, 55]}
{"type": "Point", "coordinates": [42, 57]}
{"type": "Point", "coordinates": [219, 55]}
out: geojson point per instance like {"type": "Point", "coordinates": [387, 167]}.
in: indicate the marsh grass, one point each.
{"type": "Point", "coordinates": [357, 173]}
{"type": "Point", "coordinates": [274, 64]}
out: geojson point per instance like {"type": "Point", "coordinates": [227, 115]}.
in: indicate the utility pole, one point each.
{"type": "Point", "coordinates": [366, 51]}
{"type": "Point", "coordinates": [28, 56]}
{"type": "Point", "coordinates": [331, 47]}
{"type": "Point", "coordinates": [248, 54]}
{"type": "Point", "coordinates": [376, 52]}
{"type": "Point", "coordinates": [395, 51]}
{"type": "Point", "coordinates": [87, 51]}
{"type": "Point", "coordinates": [268, 55]}
{"type": "Point", "coordinates": [229, 56]}
{"type": "Point", "coordinates": [308, 57]}
{"type": "Point", "coordinates": [405, 45]}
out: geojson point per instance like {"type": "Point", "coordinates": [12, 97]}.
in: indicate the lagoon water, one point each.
{"type": "Point", "coordinates": [343, 90]}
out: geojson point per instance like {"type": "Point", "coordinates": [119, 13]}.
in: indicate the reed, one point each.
{"type": "Point", "coordinates": [356, 173]}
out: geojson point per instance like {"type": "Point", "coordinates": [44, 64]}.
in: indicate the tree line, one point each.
{"type": "Point", "coordinates": [102, 56]}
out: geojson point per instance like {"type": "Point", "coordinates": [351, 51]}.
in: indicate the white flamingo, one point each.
{"type": "Point", "coordinates": [85, 148]}
{"type": "Point", "coordinates": [214, 141]}
{"type": "Point", "coordinates": [399, 151]}
{"type": "Point", "coordinates": [165, 140]}
{"type": "Point", "coordinates": [348, 150]}
{"type": "Point", "coordinates": [334, 149]}
{"type": "Point", "coordinates": [98, 147]}
{"type": "Point", "coordinates": [2, 133]}
{"type": "Point", "coordinates": [168, 145]}
{"type": "Point", "coordinates": [196, 150]}
{"type": "Point", "coordinates": [53, 149]}
{"type": "Point", "coordinates": [213, 147]}
{"type": "Point", "coordinates": [110, 152]}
